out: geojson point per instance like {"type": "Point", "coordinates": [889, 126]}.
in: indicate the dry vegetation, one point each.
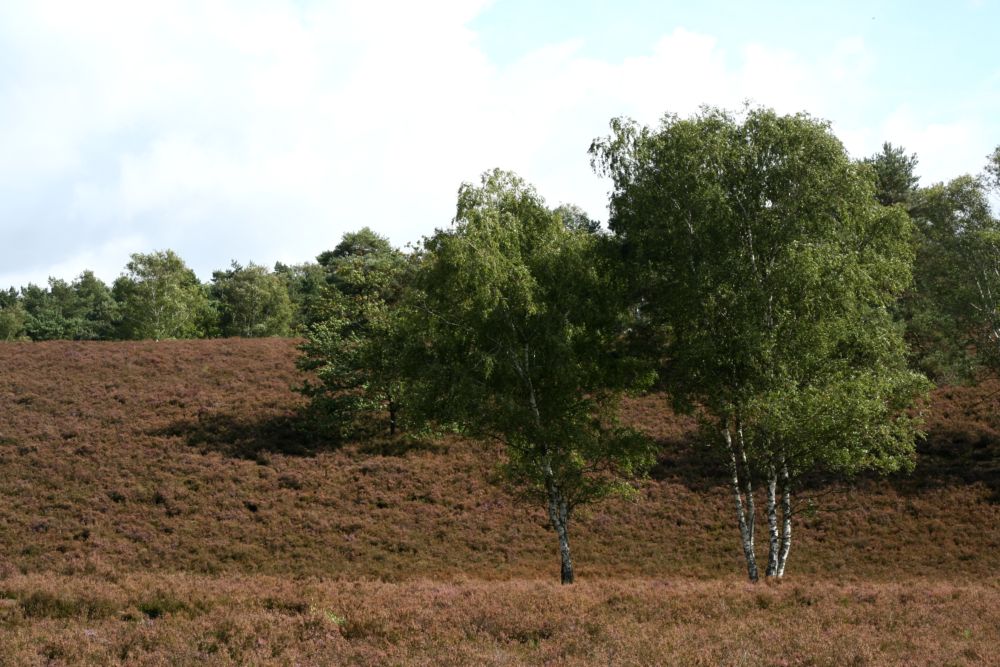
{"type": "Point", "coordinates": [159, 506]}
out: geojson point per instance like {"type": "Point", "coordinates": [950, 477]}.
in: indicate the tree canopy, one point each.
{"type": "Point", "coordinates": [895, 177]}
{"type": "Point", "coordinates": [953, 312]}
{"type": "Point", "coordinates": [351, 341]}
{"type": "Point", "coordinates": [252, 301]}
{"type": "Point", "coordinates": [516, 321]}
{"type": "Point", "coordinates": [759, 246]}
{"type": "Point", "coordinates": [160, 297]}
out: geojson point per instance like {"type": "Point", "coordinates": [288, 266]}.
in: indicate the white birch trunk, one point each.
{"type": "Point", "coordinates": [772, 523]}
{"type": "Point", "coordinates": [559, 518]}
{"type": "Point", "coordinates": [746, 531]}
{"type": "Point", "coordinates": [786, 518]}
{"type": "Point", "coordinates": [747, 482]}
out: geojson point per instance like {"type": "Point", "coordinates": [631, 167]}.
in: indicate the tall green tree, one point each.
{"type": "Point", "coordinates": [895, 175]}
{"type": "Point", "coordinates": [98, 310]}
{"type": "Point", "coordinates": [953, 311]}
{"type": "Point", "coordinates": [305, 284]}
{"type": "Point", "coordinates": [351, 341]}
{"type": "Point", "coordinates": [48, 311]}
{"type": "Point", "coordinates": [12, 315]}
{"type": "Point", "coordinates": [759, 248]}
{"type": "Point", "coordinates": [515, 323]}
{"type": "Point", "coordinates": [252, 302]}
{"type": "Point", "coordinates": [362, 243]}
{"type": "Point", "coordinates": [160, 297]}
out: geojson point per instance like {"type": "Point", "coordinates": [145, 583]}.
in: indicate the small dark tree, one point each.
{"type": "Point", "coordinates": [47, 310]}
{"type": "Point", "coordinates": [895, 180]}
{"type": "Point", "coordinates": [351, 342]}
{"type": "Point", "coordinates": [992, 170]}
{"type": "Point", "coordinates": [98, 311]}
{"type": "Point", "coordinates": [574, 217]}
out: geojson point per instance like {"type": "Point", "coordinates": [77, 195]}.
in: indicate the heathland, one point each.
{"type": "Point", "coordinates": [161, 505]}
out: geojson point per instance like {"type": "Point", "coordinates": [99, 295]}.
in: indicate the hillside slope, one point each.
{"type": "Point", "coordinates": [182, 456]}
{"type": "Point", "coordinates": [152, 465]}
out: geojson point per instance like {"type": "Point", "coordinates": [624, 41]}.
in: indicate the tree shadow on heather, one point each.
{"type": "Point", "coordinates": [239, 437]}
{"type": "Point", "coordinates": [948, 456]}
{"type": "Point", "coordinates": [291, 434]}
{"type": "Point", "coordinates": [689, 461]}
{"type": "Point", "coordinates": [701, 468]}
{"type": "Point", "coordinates": [953, 454]}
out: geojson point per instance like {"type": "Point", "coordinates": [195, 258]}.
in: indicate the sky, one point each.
{"type": "Point", "coordinates": [262, 131]}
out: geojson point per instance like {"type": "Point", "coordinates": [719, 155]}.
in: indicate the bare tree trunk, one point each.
{"type": "Point", "coordinates": [392, 417]}
{"type": "Point", "coordinates": [772, 522]}
{"type": "Point", "coordinates": [559, 518]}
{"type": "Point", "coordinates": [747, 481]}
{"type": "Point", "coordinates": [786, 518]}
{"type": "Point", "coordinates": [746, 531]}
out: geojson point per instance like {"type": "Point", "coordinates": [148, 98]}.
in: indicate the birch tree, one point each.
{"type": "Point", "coordinates": [252, 301]}
{"type": "Point", "coordinates": [160, 297]}
{"type": "Point", "coordinates": [953, 311]}
{"type": "Point", "coordinates": [516, 322]}
{"type": "Point", "coordinates": [760, 249]}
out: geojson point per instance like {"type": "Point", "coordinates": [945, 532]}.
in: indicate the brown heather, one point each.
{"type": "Point", "coordinates": [159, 506]}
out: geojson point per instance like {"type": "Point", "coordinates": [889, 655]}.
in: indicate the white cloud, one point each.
{"type": "Point", "coordinates": [264, 130]}
{"type": "Point", "coordinates": [946, 149]}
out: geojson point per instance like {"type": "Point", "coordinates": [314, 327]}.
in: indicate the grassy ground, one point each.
{"type": "Point", "coordinates": [160, 507]}
{"type": "Point", "coordinates": [188, 620]}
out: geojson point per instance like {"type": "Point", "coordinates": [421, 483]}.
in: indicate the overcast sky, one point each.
{"type": "Point", "coordinates": [262, 131]}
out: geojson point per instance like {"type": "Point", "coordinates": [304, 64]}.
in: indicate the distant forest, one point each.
{"type": "Point", "coordinates": [159, 297]}
{"type": "Point", "coordinates": [952, 299]}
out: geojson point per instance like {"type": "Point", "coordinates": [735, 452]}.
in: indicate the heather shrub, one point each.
{"type": "Point", "coordinates": [45, 604]}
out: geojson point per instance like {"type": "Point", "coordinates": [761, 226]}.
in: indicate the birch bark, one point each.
{"type": "Point", "coordinates": [559, 517]}
{"type": "Point", "coordinates": [746, 532]}
{"type": "Point", "coordinates": [786, 517]}
{"type": "Point", "coordinates": [772, 522]}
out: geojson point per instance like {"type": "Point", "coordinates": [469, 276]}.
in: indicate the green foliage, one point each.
{"type": "Point", "coordinates": [993, 168]}
{"type": "Point", "coordinates": [574, 217]}
{"type": "Point", "coordinates": [760, 249]}
{"type": "Point", "coordinates": [45, 320]}
{"type": "Point", "coordinates": [953, 312]}
{"type": "Point", "coordinates": [895, 181]}
{"type": "Point", "coordinates": [516, 323]}
{"type": "Point", "coordinates": [351, 344]}
{"type": "Point", "coordinates": [12, 315]}
{"type": "Point", "coordinates": [304, 284]}
{"type": "Point", "coordinates": [804, 427]}
{"type": "Point", "coordinates": [83, 310]}
{"type": "Point", "coordinates": [98, 310]}
{"type": "Point", "coordinates": [252, 302]}
{"type": "Point", "coordinates": [42, 604]}
{"type": "Point", "coordinates": [362, 243]}
{"type": "Point", "coordinates": [160, 297]}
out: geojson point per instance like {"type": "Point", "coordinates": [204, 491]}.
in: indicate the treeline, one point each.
{"type": "Point", "coordinates": [159, 297]}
